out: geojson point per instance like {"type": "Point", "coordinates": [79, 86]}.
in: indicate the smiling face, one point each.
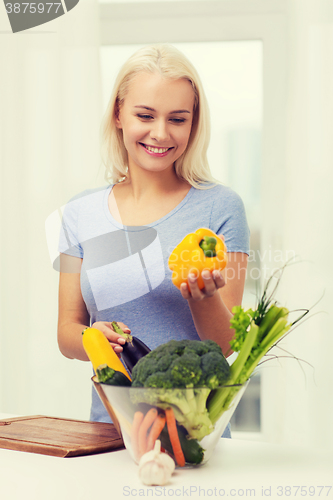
{"type": "Point", "coordinates": [156, 119]}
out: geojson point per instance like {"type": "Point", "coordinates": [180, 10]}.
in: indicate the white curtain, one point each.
{"type": "Point", "coordinates": [51, 108]}
{"type": "Point", "coordinates": [299, 402]}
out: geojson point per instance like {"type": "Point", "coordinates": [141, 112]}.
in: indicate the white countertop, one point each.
{"type": "Point", "coordinates": [238, 468]}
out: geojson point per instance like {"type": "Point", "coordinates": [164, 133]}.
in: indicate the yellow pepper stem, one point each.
{"type": "Point", "coordinates": [208, 245]}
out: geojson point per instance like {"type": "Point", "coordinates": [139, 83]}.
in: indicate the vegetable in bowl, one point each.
{"type": "Point", "coordinates": [198, 366]}
{"type": "Point", "coordinates": [194, 379]}
{"type": "Point", "coordinates": [184, 392]}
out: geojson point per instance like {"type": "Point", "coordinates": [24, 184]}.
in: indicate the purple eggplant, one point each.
{"type": "Point", "coordinates": [133, 350]}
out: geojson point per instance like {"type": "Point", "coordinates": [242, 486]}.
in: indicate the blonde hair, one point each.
{"type": "Point", "coordinates": [169, 62]}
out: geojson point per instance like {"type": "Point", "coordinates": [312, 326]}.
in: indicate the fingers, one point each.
{"type": "Point", "coordinates": [117, 348]}
{"type": "Point", "coordinates": [184, 290]}
{"type": "Point", "coordinates": [120, 340]}
{"type": "Point", "coordinates": [124, 327]}
{"type": "Point", "coordinates": [194, 290]}
{"type": "Point", "coordinates": [212, 281]}
{"type": "Point", "coordinates": [116, 340]}
{"type": "Point", "coordinates": [219, 279]}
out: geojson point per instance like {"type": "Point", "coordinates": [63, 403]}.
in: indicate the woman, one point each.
{"type": "Point", "coordinates": [116, 240]}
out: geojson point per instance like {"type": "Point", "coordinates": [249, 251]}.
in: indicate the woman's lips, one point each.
{"type": "Point", "coordinates": [154, 151]}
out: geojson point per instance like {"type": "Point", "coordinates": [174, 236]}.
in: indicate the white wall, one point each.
{"type": "Point", "coordinates": [50, 101]}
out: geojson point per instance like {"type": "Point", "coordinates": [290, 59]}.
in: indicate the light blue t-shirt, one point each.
{"type": "Point", "coordinates": [125, 275]}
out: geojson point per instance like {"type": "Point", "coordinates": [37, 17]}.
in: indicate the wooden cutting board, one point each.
{"type": "Point", "coordinates": [58, 437]}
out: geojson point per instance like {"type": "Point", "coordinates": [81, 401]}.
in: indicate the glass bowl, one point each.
{"type": "Point", "coordinates": [198, 436]}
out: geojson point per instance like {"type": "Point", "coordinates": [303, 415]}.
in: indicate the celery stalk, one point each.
{"type": "Point", "coordinates": [255, 333]}
{"type": "Point", "coordinates": [217, 403]}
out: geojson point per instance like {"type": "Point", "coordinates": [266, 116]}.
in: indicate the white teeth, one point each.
{"type": "Point", "coordinates": [156, 150]}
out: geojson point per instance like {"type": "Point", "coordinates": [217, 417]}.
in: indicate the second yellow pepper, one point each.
{"type": "Point", "coordinates": [199, 251]}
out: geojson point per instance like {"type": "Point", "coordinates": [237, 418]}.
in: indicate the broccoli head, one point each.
{"type": "Point", "coordinates": [185, 372]}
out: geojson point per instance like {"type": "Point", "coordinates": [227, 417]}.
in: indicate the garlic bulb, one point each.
{"type": "Point", "coordinates": [155, 468]}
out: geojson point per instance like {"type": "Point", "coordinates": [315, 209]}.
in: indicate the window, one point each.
{"type": "Point", "coordinates": [247, 148]}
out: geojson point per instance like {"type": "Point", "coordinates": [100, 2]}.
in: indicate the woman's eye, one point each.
{"type": "Point", "coordinates": [178, 120]}
{"type": "Point", "coordinates": [144, 117]}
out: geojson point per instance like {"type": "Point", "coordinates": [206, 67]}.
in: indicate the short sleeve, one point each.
{"type": "Point", "coordinates": [68, 239]}
{"type": "Point", "coordinates": [228, 218]}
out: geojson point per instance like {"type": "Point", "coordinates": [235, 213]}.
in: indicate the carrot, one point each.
{"type": "Point", "coordinates": [137, 420]}
{"type": "Point", "coordinates": [174, 438]}
{"type": "Point", "coordinates": [144, 427]}
{"type": "Point", "coordinates": [155, 431]}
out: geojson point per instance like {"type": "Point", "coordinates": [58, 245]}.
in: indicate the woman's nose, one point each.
{"type": "Point", "coordinates": [160, 131]}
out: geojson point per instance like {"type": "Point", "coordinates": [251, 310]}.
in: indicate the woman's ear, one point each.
{"type": "Point", "coordinates": [117, 115]}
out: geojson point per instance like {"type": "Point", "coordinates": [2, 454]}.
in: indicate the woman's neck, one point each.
{"type": "Point", "coordinates": [147, 185]}
{"type": "Point", "coordinates": [140, 201]}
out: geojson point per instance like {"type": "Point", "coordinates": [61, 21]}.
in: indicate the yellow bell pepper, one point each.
{"type": "Point", "coordinates": [199, 251]}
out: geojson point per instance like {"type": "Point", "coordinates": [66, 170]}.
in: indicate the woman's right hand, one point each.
{"type": "Point", "coordinates": [116, 340]}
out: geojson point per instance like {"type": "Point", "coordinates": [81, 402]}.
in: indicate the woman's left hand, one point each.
{"type": "Point", "coordinates": [213, 281]}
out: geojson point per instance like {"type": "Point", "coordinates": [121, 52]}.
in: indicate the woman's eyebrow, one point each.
{"type": "Point", "coordinates": [171, 112]}
{"type": "Point", "coordinates": [180, 111]}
